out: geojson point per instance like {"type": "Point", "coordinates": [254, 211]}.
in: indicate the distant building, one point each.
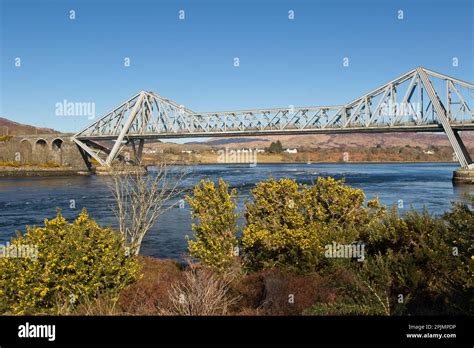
{"type": "Point", "coordinates": [291, 150]}
{"type": "Point", "coordinates": [186, 151]}
{"type": "Point", "coordinates": [149, 151]}
{"type": "Point", "coordinates": [429, 152]}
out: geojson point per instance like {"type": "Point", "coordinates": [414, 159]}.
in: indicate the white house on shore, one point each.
{"type": "Point", "coordinates": [291, 150]}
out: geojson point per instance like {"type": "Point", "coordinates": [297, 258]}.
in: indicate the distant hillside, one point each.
{"type": "Point", "coordinates": [327, 141]}
{"type": "Point", "coordinates": [8, 127]}
{"type": "Point", "coordinates": [224, 141]}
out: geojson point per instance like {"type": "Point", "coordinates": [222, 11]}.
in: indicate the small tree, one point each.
{"type": "Point", "coordinates": [275, 147]}
{"type": "Point", "coordinates": [215, 232]}
{"type": "Point", "coordinates": [141, 198]}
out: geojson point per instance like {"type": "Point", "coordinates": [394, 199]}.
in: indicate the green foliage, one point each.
{"type": "Point", "coordinates": [343, 308]}
{"type": "Point", "coordinates": [275, 147]}
{"type": "Point", "coordinates": [74, 262]}
{"type": "Point", "coordinates": [421, 262]}
{"type": "Point", "coordinates": [352, 295]}
{"type": "Point", "coordinates": [215, 232]}
{"type": "Point", "coordinates": [289, 226]}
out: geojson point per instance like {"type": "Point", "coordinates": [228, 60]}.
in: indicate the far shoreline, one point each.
{"type": "Point", "coordinates": [28, 172]}
{"type": "Point", "coordinates": [342, 162]}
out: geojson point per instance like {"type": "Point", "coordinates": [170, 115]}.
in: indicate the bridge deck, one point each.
{"type": "Point", "coordinates": [286, 131]}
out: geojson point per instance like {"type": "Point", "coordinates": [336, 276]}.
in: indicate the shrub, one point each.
{"type": "Point", "coordinates": [350, 295]}
{"type": "Point", "coordinates": [286, 293]}
{"type": "Point", "coordinates": [288, 226]}
{"type": "Point", "coordinates": [150, 294]}
{"type": "Point", "coordinates": [202, 292]}
{"type": "Point", "coordinates": [215, 232]}
{"type": "Point", "coordinates": [250, 287]}
{"type": "Point", "coordinates": [5, 138]}
{"type": "Point", "coordinates": [74, 262]}
{"type": "Point", "coordinates": [420, 262]}
{"type": "Point", "coordinates": [343, 308]}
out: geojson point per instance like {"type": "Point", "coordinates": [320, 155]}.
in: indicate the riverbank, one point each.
{"type": "Point", "coordinates": [39, 171]}
{"type": "Point", "coordinates": [19, 172]}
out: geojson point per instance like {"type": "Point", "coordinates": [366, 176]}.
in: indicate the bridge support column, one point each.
{"type": "Point", "coordinates": [123, 132]}
{"type": "Point", "coordinates": [464, 150]}
{"type": "Point", "coordinates": [85, 157]}
{"type": "Point", "coordinates": [455, 140]}
{"type": "Point", "coordinates": [138, 153]}
{"type": "Point", "coordinates": [463, 176]}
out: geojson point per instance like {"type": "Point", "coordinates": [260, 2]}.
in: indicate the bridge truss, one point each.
{"type": "Point", "coordinates": [420, 100]}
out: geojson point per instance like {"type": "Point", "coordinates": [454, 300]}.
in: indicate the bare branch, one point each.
{"type": "Point", "coordinates": [140, 199]}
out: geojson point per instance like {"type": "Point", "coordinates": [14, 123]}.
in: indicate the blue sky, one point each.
{"type": "Point", "coordinates": [282, 62]}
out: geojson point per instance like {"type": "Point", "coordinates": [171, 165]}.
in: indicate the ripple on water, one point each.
{"type": "Point", "coordinates": [27, 201]}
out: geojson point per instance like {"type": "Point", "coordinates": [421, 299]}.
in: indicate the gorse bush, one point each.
{"type": "Point", "coordinates": [289, 225]}
{"type": "Point", "coordinates": [75, 261]}
{"type": "Point", "coordinates": [215, 231]}
{"type": "Point", "coordinates": [415, 264]}
{"type": "Point", "coordinates": [427, 260]}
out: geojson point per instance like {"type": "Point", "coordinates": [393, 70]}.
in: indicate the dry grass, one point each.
{"type": "Point", "coordinates": [10, 164]}
{"type": "Point", "coordinates": [201, 292]}
{"type": "Point", "coordinates": [167, 288]}
{"type": "Point", "coordinates": [102, 305]}
{"type": "Point", "coordinates": [150, 293]}
{"type": "Point", "coordinates": [274, 292]}
{"type": "Point", "coordinates": [15, 164]}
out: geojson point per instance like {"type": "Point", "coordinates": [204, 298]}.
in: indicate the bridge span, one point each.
{"type": "Point", "coordinates": [420, 100]}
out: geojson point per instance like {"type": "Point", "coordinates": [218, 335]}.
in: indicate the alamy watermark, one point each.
{"type": "Point", "coordinates": [68, 108]}
{"type": "Point", "coordinates": [237, 156]}
{"type": "Point", "coordinates": [391, 108]}
{"type": "Point", "coordinates": [345, 251]}
{"type": "Point", "coordinates": [19, 251]}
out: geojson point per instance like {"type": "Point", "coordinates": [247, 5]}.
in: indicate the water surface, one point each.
{"type": "Point", "coordinates": [27, 201]}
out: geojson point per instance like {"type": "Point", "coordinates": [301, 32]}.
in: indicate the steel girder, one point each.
{"type": "Point", "coordinates": [419, 100]}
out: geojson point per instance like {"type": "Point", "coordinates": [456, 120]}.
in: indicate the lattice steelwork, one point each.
{"type": "Point", "coordinates": [420, 100]}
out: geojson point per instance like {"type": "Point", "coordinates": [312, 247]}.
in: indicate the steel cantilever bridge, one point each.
{"type": "Point", "coordinates": [420, 100]}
